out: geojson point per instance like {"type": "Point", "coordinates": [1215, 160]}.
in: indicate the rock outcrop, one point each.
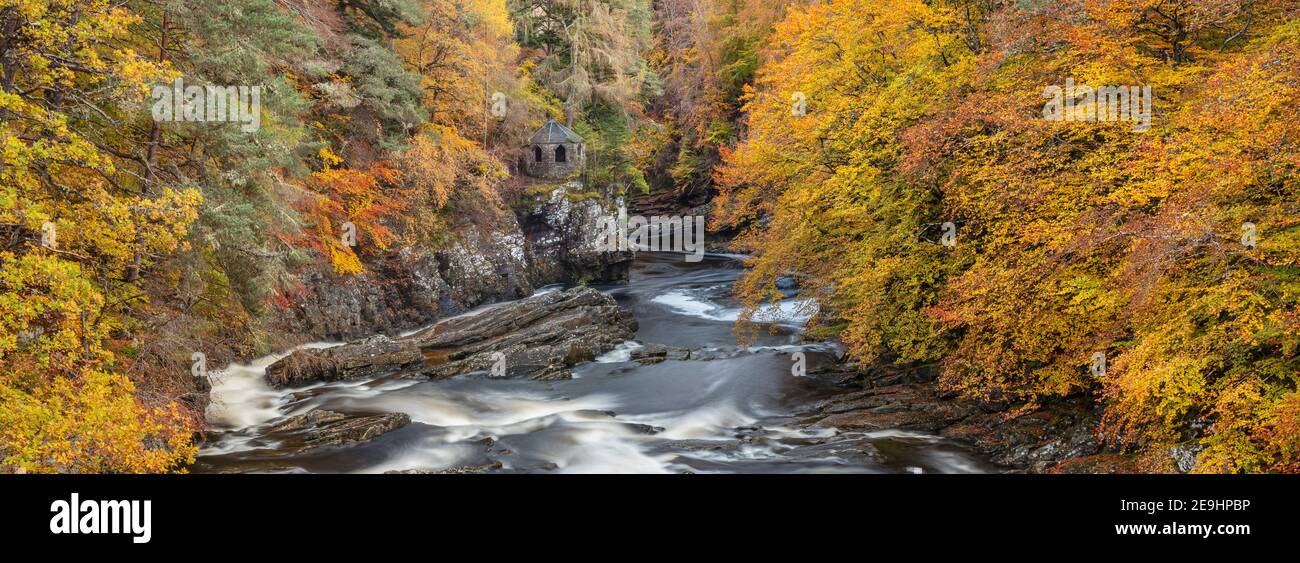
{"type": "Point", "coordinates": [550, 239]}
{"type": "Point", "coordinates": [321, 428]}
{"type": "Point", "coordinates": [374, 356]}
{"type": "Point", "coordinates": [1049, 437]}
{"type": "Point", "coordinates": [667, 201]}
{"type": "Point", "coordinates": [563, 227]}
{"type": "Point", "coordinates": [540, 337]}
{"type": "Point", "coordinates": [412, 286]}
{"type": "Point", "coordinates": [657, 353]}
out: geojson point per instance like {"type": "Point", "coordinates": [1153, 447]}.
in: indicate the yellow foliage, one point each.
{"type": "Point", "coordinates": [345, 261]}
{"type": "Point", "coordinates": [61, 406]}
{"type": "Point", "coordinates": [92, 424]}
{"type": "Point", "coordinates": [1073, 238]}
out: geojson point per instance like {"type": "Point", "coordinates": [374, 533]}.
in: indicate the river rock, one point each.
{"type": "Point", "coordinates": [366, 358]}
{"type": "Point", "coordinates": [650, 354]}
{"type": "Point", "coordinates": [1038, 439]}
{"type": "Point", "coordinates": [540, 337]}
{"type": "Point", "coordinates": [321, 428]}
{"type": "Point", "coordinates": [488, 467]}
{"type": "Point", "coordinates": [656, 353]}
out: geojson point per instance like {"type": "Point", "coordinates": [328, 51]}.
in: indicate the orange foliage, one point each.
{"type": "Point", "coordinates": [369, 200]}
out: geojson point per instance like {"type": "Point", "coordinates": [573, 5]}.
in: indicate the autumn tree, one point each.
{"type": "Point", "coordinates": [706, 53]}
{"type": "Point", "coordinates": [588, 54]}
{"type": "Point", "coordinates": [81, 231]}
{"type": "Point", "coordinates": [873, 129]}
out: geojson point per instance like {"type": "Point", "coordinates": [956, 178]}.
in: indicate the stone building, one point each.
{"type": "Point", "coordinates": [554, 153]}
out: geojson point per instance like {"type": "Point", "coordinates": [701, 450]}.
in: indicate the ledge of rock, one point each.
{"type": "Point", "coordinates": [366, 358]}
{"type": "Point", "coordinates": [563, 229]}
{"type": "Point", "coordinates": [657, 353]}
{"type": "Point", "coordinates": [539, 337]}
{"type": "Point", "coordinates": [1051, 437]}
{"type": "Point", "coordinates": [321, 428]}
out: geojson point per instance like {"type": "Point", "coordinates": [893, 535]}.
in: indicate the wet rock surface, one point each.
{"type": "Point", "coordinates": [458, 470]}
{"type": "Point", "coordinates": [651, 354]}
{"type": "Point", "coordinates": [540, 337]}
{"type": "Point", "coordinates": [1044, 438]}
{"type": "Point", "coordinates": [373, 356]}
{"type": "Point", "coordinates": [322, 428]}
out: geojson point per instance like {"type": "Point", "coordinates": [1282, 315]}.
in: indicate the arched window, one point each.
{"type": "Point", "coordinates": [560, 155]}
{"type": "Point", "coordinates": [537, 154]}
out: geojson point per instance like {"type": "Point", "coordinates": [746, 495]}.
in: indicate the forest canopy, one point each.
{"type": "Point", "coordinates": [954, 183]}
{"type": "Point", "coordinates": [1166, 258]}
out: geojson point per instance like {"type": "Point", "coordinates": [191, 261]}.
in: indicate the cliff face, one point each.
{"type": "Point", "coordinates": [563, 228]}
{"type": "Point", "coordinates": [413, 286]}
{"type": "Point", "coordinates": [551, 241]}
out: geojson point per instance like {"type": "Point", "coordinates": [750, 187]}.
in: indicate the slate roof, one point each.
{"type": "Point", "coordinates": [553, 133]}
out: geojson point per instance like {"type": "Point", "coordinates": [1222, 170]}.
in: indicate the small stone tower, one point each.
{"type": "Point", "coordinates": [554, 153]}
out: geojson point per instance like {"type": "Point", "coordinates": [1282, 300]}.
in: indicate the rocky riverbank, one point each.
{"type": "Point", "coordinates": [549, 335]}
{"type": "Point", "coordinates": [545, 336]}
{"type": "Point", "coordinates": [1058, 437]}
{"type": "Point", "coordinates": [546, 239]}
{"type": "Point", "coordinates": [541, 337]}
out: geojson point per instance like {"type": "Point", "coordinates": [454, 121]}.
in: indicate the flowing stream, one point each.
{"type": "Point", "coordinates": [727, 415]}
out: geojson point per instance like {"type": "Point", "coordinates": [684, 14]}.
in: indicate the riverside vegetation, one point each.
{"type": "Point", "coordinates": [891, 160]}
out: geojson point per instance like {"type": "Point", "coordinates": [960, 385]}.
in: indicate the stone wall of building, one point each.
{"type": "Point", "coordinates": [547, 167]}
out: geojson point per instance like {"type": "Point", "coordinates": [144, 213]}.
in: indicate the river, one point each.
{"type": "Point", "coordinates": [735, 414]}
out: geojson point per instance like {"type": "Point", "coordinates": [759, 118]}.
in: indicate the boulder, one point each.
{"type": "Point", "coordinates": [650, 354]}
{"type": "Point", "coordinates": [656, 353]}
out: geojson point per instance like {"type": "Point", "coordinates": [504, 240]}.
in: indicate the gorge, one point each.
{"type": "Point", "coordinates": [677, 395]}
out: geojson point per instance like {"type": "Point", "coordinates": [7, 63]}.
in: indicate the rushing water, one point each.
{"type": "Point", "coordinates": [733, 414]}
